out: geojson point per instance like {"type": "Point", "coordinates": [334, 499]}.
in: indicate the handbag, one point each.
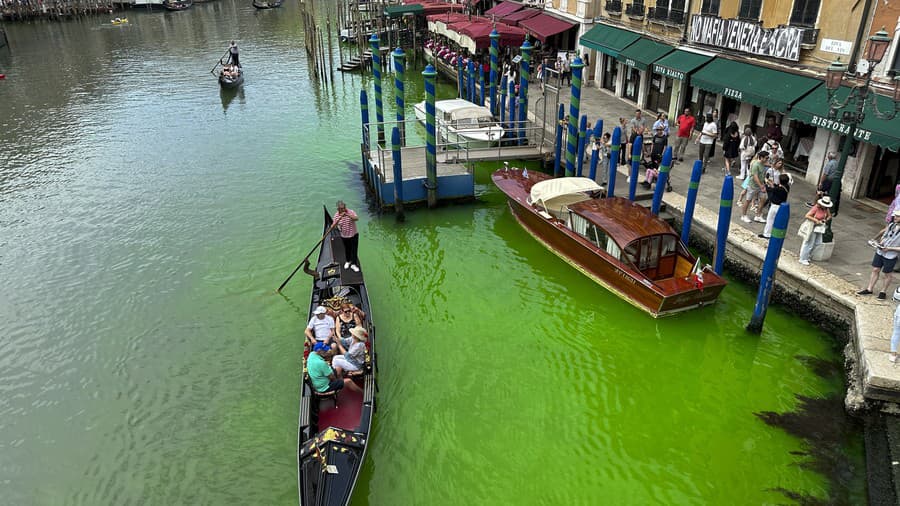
{"type": "Point", "coordinates": [806, 229]}
{"type": "Point", "coordinates": [819, 229]}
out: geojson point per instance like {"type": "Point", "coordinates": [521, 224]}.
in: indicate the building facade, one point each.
{"type": "Point", "coordinates": [757, 63]}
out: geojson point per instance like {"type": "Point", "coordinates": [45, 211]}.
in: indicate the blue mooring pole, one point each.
{"type": "Point", "coordinates": [770, 265]}
{"type": "Point", "coordinates": [501, 103]}
{"type": "Point", "coordinates": [512, 104]}
{"type": "Point", "coordinates": [471, 81]}
{"type": "Point", "coordinates": [725, 201]}
{"type": "Point", "coordinates": [614, 161]}
{"type": "Point", "coordinates": [399, 96]}
{"type": "Point", "coordinates": [595, 153]}
{"type": "Point", "coordinates": [430, 143]}
{"type": "Point", "coordinates": [559, 140]}
{"type": "Point", "coordinates": [662, 180]}
{"type": "Point", "coordinates": [582, 135]}
{"type": "Point", "coordinates": [459, 77]}
{"type": "Point", "coordinates": [524, 77]}
{"type": "Point", "coordinates": [364, 109]}
{"type": "Point", "coordinates": [693, 187]}
{"type": "Point", "coordinates": [398, 173]}
{"type": "Point", "coordinates": [481, 79]}
{"type": "Point", "coordinates": [495, 56]}
{"type": "Point", "coordinates": [636, 150]}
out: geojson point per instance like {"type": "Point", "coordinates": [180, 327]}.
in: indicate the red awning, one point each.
{"type": "Point", "coordinates": [544, 26]}
{"type": "Point", "coordinates": [481, 34]}
{"type": "Point", "coordinates": [436, 7]}
{"type": "Point", "coordinates": [448, 17]}
{"type": "Point", "coordinates": [503, 9]}
{"type": "Point", "coordinates": [514, 18]}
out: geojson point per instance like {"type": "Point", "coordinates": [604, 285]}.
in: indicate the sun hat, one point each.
{"type": "Point", "coordinates": [825, 201]}
{"type": "Point", "coordinates": [320, 310]}
{"type": "Point", "coordinates": [360, 333]}
{"type": "Point", "coordinates": [320, 346]}
{"type": "Point", "coordinates": [896, 212]}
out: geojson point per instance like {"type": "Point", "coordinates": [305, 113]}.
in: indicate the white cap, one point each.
{"type": "Point", "coordinates": [320, 310]}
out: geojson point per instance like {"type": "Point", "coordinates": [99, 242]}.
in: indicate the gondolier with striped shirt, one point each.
{"type": "Point", "coordinates": [345, 220]}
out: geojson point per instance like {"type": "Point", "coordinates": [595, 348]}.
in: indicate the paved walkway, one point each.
{"type": "Point", "coordinates": [838, 278]}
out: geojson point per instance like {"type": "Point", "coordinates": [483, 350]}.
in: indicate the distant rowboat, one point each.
{"type": "Point", "coordinates": [267, 4]}
{"type": "Point", "coordinates": [177, 5]}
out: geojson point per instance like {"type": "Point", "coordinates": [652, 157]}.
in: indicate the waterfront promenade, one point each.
{"type": "Point", "coordinates": [832, 284]}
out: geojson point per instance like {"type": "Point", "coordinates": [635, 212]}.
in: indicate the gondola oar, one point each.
{"type": "Point", "coordinates": [213, 70]}
{"type": "Point", "coordinates": [313, 250]}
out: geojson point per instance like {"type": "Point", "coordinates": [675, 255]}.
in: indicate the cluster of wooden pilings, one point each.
{"type": "Point", "coordinates": [51, 9]}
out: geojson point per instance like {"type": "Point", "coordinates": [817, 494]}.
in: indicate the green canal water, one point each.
{"type": "Point", "coordinates": [145, 220]}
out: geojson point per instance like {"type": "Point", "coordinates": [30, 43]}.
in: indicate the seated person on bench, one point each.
{"type": "Point", "coordinates": [348, 317]}
{"type": "Point", "coordinates": [352, 359]}
{"type": "Point", "coordinates": [321, 375]}
{"type": "Point", "coordinates": [320, 328]}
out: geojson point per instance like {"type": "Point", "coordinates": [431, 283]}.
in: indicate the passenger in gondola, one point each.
{"type": "Point", "coordinates": [352, 358]}
{"type": "Point", "coordinates": [321, 328]}
{"type": "Point", "coordinates": [348, 318]}
{"type": "Point", "coordinates": [321, 375]}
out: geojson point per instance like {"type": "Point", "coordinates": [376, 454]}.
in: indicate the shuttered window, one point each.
{"type": "Point", "coordinates": [805, 12]}
{"type": "Point", "coordinates": [750, 9]}
{"type": "Point", "coordinates": [710, 7]}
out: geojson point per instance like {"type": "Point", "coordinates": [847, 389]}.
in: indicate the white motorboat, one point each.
{"type": "Point", "coordinates": [463, 123]}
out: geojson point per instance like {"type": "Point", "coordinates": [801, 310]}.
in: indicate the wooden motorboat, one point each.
{"type": "Point", "coordinates": [231, 76]}
{"type": "Point", "coordinates": [267, 4]}
{"type": "Point", "coordinates": [618, 243]}
{"type": "Point", "coordinates": [177, 5]}
{"type": "Point", "coordinates": [333, 436]}
{"type": "Point", "coordinates": [463, 123]}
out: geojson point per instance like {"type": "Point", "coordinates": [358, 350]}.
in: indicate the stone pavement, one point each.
{"type": "Point", "coordinates": [837, 279]}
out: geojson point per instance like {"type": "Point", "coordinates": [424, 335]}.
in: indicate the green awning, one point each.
{"type": "Point", "coordinates": [643, 52]}
{"type": "Point", "coordinates": [679, 64]}
{"type": "Point", "coordinates": [813, 110]}
{"type": "Point", "coordinates": [395, 11]}
{"type": "Point", "coordinates": [765, 87]}
{"type": "Point", "coordinates": [608, 39]}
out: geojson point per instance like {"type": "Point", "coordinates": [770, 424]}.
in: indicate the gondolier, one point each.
{"type": "Point", "coordinates": [233, 53]}
{"type": "Point", "coordinates": [345, 219]}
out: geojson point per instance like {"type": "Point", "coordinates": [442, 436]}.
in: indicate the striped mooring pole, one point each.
{"type": "Point", "coordinates": [524, 76]}
{"type": "Point", "coordinates": [430, 149]}
{"type": "Point", "coordinates": [770, 265]}
{"type": "Point", "coordinates": [636, 150]}
{"type": "Point", "coordinates": [375, 44]}
{"type": "Point", "coordinates": [693, 188]}
{"type": "Point", "coordinates": [725, 202]}
{"type": "Point", "coordinates": [614, 154]}
{"type": "Point", "coordinates": [595, 152]}
{"type": "Point", "coordinates": [399, 98]}
{"type": "Point", "coordinates": [574, 112]}
{"type": "Point", "coordinates": [365, 148]}
{"type": "Point", "coordinates": [557, 169]}
{"type": "Point", "coordinates": [398, 173]}
{"type": "Point", "coordinates": [495, 56]}
{"type": "Point", "coordinates": [662, 180]}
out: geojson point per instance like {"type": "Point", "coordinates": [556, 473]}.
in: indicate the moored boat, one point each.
{"type": "Point", "coordinates": [267, 4]}
{"type": "Point", "coordinates": [333, 435]}
{"type": "Point", "coordinates": [616, 242]}
{"type": "Point", "coordinates": [463, 123]}
{"type": "Point", "coordinates": [177, 5]}
{"type": "Point", "coordinates": [231, 76]}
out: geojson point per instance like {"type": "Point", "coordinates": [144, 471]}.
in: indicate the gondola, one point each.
{"type": "Point", "coordinates": [333, 434]}
{"type": "Point", "coordinates": [177, 5]}
{"type": "Point", "coordinates": [267, 4]}
{"type": "Point", "coordinates": [231, 81]}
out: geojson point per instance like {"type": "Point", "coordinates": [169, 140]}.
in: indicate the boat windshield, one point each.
{"type": "Point", "coordinates": [656, 256]}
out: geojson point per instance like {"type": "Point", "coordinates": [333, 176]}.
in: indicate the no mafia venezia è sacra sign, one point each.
{"type": "Point", "coordinates": [746, 37]}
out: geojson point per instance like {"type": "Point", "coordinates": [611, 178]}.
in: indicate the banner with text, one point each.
{"type": "Point", "coordinates": [747, 37]}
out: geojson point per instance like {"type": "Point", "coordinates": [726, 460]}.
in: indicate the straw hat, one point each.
{"type": "Point", "coordinates": [360, 333]}
{"type": "Point", "coordinates": [825, 201]}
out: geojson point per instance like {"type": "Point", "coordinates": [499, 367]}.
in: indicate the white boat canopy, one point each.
{"type": "Point", "coordinates": [555, 194]}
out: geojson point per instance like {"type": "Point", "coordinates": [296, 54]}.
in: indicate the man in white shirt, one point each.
{"type": "Point", "coordinates": [321, 327]}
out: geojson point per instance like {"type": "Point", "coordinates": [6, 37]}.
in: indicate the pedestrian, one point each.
{"type": "Point", "coordinates": [604, 144]}
{"type": "Point", "coordinates": [755, 186]}
{"type": "Point", "coordinates": [731, 146]}
{"type": "Point", "coordinates": [895, 204]}
{"type": "Point", "coordinates": [895, 335]}
{"type": "Point", "coordinates": [658, 143]}
{"type": "Point", "coordinates": [662, 121]}
{"type": "Point", "coordinates": [707, 140]}
{"type": "Point", "coordinates": [828, 173]}
{"type": "Point", "coordinates": [813, 228]}
{"type": "Point", "coordinates": [748, 150]}
{"type": "Point", "coordinates": [887, 247]}
{"type": "Point", "coordinates": [567, 69]}
{"type": "Point", "coordinates": [778, 194]}
{"type": "Point", "coordinates": [774, 149]}
{"type": "Point", "coordinates": [685, 124]}
{"type": "Point", "coordinates": [636, 126]}
{"type": "Point", "coordinates": [345, 220]}
{"type": "Point", "coordinates": [773, 130]}
{"type": "Point", "coordinates": [233, 53]}
{"type": "Point", "coordinates": [624, 159]}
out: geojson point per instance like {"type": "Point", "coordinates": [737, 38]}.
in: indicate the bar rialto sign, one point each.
{"type": "Point", "coordinates": [666, 71]}
{"type": "Point", "coordinates": [747, 37]}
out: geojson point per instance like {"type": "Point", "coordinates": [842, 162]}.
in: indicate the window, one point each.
{"type": "Point", "coordinates": [894, 69]}
{"type": "Point", "coordinates": [710, 7]}
{"type": "Point", "coordinates": [667, 5]}
{"type": "Point", "coordinates": [749, 9]}
{"type": "Point", "coordinates": [805, 12]}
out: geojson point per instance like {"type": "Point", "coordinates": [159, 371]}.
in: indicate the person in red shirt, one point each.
{"type": "Point", "coordinates": [685, 124]}
{"type": "Point", "coordinates": [345, 221]}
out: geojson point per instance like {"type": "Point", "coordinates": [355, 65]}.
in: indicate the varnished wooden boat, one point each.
{"type": "Point", "coordinates": [332, 439]}
{"type": "Point", "coordinates": [616, 242]}
{"type": "Point", "coordinates": [267, 4]}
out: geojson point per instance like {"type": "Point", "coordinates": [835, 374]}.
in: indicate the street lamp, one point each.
{"type": "Point", "coordinates": [859, 95]}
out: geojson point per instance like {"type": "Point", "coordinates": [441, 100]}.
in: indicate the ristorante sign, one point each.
{"type": "Point", "coordinates": [747, 37]}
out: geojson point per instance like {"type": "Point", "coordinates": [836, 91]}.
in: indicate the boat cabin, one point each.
{"type": "Point", "coordinates": [463, 115]}
{"type": "Point", "coordinates": [617, 227]}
